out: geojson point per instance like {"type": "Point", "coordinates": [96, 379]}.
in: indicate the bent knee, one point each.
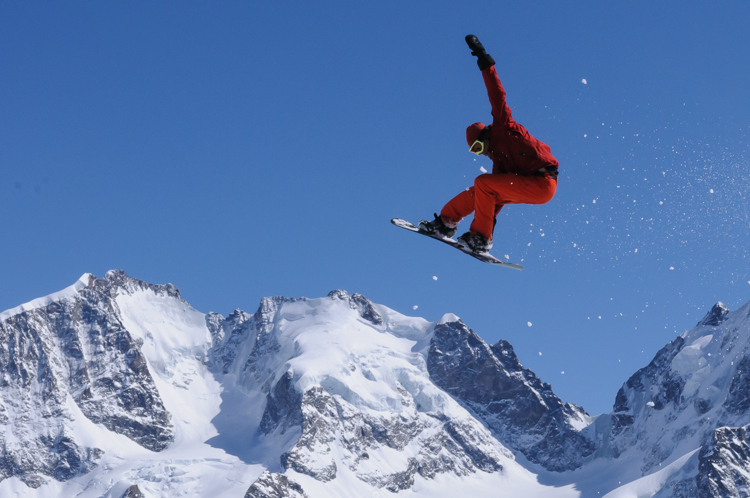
{"type": "Point", "coordinates": [547, 194]}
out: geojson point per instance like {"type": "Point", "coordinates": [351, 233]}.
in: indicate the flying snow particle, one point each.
{"type": "Point", "coordinates": [593, 202]}
{"type": "Point", "coordinates": [508, 257]}
{"type": "Point", "coordinates": [540, 353]}
{"type": "Point", "coordinates": [584, 81]}
{"type": "Point", "coordinates": [711, 191]}
{"type": "Point", "coordinates": [414, 307]}
{"type": "Point", "coordinates": [651, 404]}
{"type": "Point", "coordinates": [671, 267]}
{"type": "Point", "coordinates": [528, 323]}
{"type": "Point", "coordinates": [481, 168]}
{"type": "Point", "coordinates": [585, 135]}
{"type": "Point", "coordinates": [563, 372]}
{"type": "Point", "coordinates": [434, 278]}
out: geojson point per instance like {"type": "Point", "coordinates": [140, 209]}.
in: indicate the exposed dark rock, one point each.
{"type": "Point", "coordinates": [715, 316]}
{"type": "Point", "coordinates": [272, 485]}
{"type": "Point", "coordinates": [283, 406]}
{"type": "Point", "coordinates": [521, 409]}
{"type": "Point", "coordinates": [360, 303]}
{"type": "Point", "coordinates": [229, 336]}
{"type": "Point", "coordinates": [656, 382]}
{"type": "Point", "coordinates": [738, 398]}
{"type": "Point", "coordinates": [329, 420]}
{"type": "Point", "coordinates": [724, 464]}
{"type": "Point", "coordinates": [133, 492]}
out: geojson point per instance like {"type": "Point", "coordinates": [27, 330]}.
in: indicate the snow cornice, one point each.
{"type": "Point", "coordinates": [86, 280]}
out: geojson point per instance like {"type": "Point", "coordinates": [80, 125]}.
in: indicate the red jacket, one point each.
{"type": "Point", "coordinates": [514, 150]}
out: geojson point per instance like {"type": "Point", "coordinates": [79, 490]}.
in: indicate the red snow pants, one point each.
{"type": "Point", "coordinates": [493, 191]}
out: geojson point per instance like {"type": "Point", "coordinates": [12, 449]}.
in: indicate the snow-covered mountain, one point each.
{"type": "Point", "coordinates": [115, 387]}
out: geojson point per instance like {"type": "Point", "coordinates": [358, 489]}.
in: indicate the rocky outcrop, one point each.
{"type": "Point", "coordinates": [272, 485]}
{"type": "Point", "coordinates": [133, 492]}
{"type": "Point", "coordinates": [360, 303]}
{"type": "Point", "coordinates": [715, 316]}
{"type": "Point", "coordinates": [328, 421]}
{"type": "Point", "coordinates": [655, 386]}
{"type": "Point", "coordinates": [519, 408]}
{"type": "Point", "coordinates": [724, 468]}
{"type": "Point", "coordinates": [230, 336]}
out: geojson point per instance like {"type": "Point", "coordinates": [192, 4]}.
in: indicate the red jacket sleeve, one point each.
{"type": "Point", "coordinates": [500, 110]}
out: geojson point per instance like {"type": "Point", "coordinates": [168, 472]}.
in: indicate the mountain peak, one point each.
{"type": "Point", "coordinates": [715, 316]}
{"type": "Point", "coordinates": [360, 303]}
{"type": "Point", "coordinates": [118, 280]}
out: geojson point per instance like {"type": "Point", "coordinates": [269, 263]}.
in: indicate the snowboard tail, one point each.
{"type": "Point", "coordinates": [483, 257]}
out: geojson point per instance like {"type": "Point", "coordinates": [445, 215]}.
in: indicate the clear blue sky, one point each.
{"type": "Point", "coordinates": [245, 149]}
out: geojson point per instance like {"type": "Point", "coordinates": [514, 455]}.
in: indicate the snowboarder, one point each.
{"type": "Point", "coordinates": [524, 171]}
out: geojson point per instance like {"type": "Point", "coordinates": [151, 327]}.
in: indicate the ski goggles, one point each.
{"type": "Point", "coordinates": [477, 147]}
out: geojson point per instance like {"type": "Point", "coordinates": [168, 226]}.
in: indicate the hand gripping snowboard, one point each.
{"type": "Point", "coordinates": [484, 257]}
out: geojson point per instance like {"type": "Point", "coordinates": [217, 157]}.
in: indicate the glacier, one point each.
{"type": "Point", "coordinates": [116, 387]}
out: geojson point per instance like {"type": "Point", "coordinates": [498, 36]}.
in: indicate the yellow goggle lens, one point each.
{"type": "Point", "coordinates": [477, 147]}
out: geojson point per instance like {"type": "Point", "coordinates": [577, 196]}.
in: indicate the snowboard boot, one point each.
{"type": "Point", "coordinates": [474, 242]}
{"type": "Point", "coordinates": [437, 227]}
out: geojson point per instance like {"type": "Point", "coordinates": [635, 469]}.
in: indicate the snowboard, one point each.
{"type": "Point", "coordinates": [483, 257]}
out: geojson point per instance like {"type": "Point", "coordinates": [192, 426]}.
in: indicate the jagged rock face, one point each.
{"type": "Point", "coordinates": [657, 378]}
{"type": "Point", "coordinates": [716, 316]}
{"type": "Point", "coordinates": [518, 407]}
{"type": "Point", "coordinates": [272, 485]}
{"type": "Point", "coordinates": [75, 348]}
{"type": "Point", "coordinates": [330, 421]}
{"type": "Point", "coordinates": [360, 303]}
{"type": "Point", "coordinates": [229, 336]}
{"type": "Point", "coordinates": [724, 468]}
{"type": "Point", "coordinates": [133, 492]}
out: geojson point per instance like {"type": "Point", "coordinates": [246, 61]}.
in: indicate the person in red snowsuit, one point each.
{"type": "Point", "coordinates": [524, 171]}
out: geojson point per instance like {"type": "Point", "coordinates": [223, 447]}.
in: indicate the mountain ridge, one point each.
{"type": "Point", "coordinates": [313, 397]}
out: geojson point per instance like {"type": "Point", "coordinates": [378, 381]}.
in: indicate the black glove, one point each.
{"type": "Point", "coordinates": [484, 60]}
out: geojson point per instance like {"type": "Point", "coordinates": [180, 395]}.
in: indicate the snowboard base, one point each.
{"type": "Point", "coordinates": [483, 257]}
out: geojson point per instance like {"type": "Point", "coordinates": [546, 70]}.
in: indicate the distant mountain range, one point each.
{"type": "Point", "coordinates": [115, 387]}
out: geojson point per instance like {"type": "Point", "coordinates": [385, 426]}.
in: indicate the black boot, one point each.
{"type": "Point", "coordinates": [437, 227]}
{"type": "Point", "coordinates": [474, 242]}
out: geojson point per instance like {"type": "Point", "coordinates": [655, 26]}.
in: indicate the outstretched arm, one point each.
{"type": "Point", "coordinates": [500, 110]}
